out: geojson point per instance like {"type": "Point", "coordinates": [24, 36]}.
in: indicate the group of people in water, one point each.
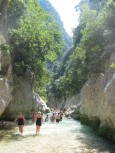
{"type": "Point", "coordinates": [37, 117]}
{"type": "Point", "coordinates": [55, 117]}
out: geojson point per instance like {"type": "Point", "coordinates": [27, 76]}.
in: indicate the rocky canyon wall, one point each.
{"type": "Point", "coordinates": [16, 93]}
{"type": "Point", "coordinates": [3, 16]}
{"type": "Point", "coordinates": [5, 61]}
{"type": "Point", "coordinates": [98, 100]}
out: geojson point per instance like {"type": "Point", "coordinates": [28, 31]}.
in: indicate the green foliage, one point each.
{"type": "Point", "coordinates": [112, 65]}
{"type": "Point", "coordinates": [4, 48]}
{"type": "Point", "coordinates": [4, 52]}
{"type": "Point", "coordinates": [92, 40]}
{"type": "Point", "coordinates": [35, 39]}
{"type": "Point", "coordinates": [48, 7]}
{"type": "Point", "coordinates": [15, 11]}
{"type": "Point", "coordinates": [87, 15]}
{"type": "Point", "coordinates": [58, 88]}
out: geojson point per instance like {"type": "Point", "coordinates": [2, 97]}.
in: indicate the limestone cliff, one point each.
{"type": "Point", "coordinates": [5, 61]}
{"type": "Point", "coordinates": [16, 93]}
{"type": "Point", "coordinates": [3, 16]}
{"type": "Point", "coordinates": [70, 103]}
{"type": "Point", "coordinates": [98, 99]}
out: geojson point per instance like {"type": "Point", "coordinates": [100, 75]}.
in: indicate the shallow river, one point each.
{"type": "Point", "coordinates": [68, 136]}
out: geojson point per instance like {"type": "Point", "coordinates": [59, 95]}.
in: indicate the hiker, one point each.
{"type": "Point", "coordinates": [57, 116]}
{"type": "Point", "coordinates": [21, 121]}
{"type": "Point", "coordinates": [39, 118]}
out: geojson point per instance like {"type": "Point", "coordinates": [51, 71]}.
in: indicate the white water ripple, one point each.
{"type": "Point", "coordinates": [68, 136]}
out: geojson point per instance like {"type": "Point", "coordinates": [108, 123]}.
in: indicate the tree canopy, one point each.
{"type": "Point", "coordinates": [93, 42]}
{"type": "Point", "coordinates": [34, 38]}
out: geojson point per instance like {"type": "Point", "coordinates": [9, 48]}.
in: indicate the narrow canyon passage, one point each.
{"type": "Point", "coordinates": [68, 136]}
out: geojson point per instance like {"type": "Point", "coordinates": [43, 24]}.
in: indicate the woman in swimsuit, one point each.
{"type": "Point", "coordinates": [38, 118]}
{"type": "Point", "coordinates": [57, 117]}
{"type": "Point", "coordinates": [21, 121]}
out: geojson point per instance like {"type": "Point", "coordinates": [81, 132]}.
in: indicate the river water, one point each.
{"type": "Point", "coordinates": [68, 136]}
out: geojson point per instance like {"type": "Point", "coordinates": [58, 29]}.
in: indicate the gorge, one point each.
{"type": "Point", "coordinates": [84, 77]}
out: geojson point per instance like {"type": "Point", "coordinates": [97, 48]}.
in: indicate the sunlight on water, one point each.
{"type": "Point", "coordinates": [68, 136]}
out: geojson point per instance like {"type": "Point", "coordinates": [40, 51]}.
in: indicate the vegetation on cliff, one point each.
{"type": "Point", "coordinates": [34, 39]}
{"type": "Point", "coordinates": [49, 8]}
{"type": "Point", "coordinates": [94, 41]}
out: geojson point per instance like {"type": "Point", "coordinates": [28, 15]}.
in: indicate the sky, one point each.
{"type": "Point", "coordinates": [67, 13]}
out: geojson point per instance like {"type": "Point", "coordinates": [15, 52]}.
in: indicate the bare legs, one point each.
{"type": "Point", "coordinates": [37, 129]}
{"type": "Point", "coordinates": [21, 128]}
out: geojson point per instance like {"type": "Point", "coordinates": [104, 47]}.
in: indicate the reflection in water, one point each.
{"type": "Point", "coordinates": [69, 136]}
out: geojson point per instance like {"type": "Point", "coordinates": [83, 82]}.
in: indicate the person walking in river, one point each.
{"type": "Point", "coordinates": [21, 121]}
{"type": "Point", "coordinates": [52, 118]}
{"type": "Point", "coordinates": [57, 117]}
{"type": "Point", "coordinates": [38, 118]}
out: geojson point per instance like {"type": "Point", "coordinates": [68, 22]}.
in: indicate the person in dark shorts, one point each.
{"type": "Point", "coordinates": [57, 117]}
{"type": "Point", "coordinates": [38, 118]}
{"type": "Point", "coordinates": [21, 121]}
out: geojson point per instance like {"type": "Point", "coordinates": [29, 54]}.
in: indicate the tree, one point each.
{"type": "Point", "coordinates": [37, 38]}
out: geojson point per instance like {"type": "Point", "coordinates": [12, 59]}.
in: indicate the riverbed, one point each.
{"type": "Point", "coordinates": [68, 136]}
